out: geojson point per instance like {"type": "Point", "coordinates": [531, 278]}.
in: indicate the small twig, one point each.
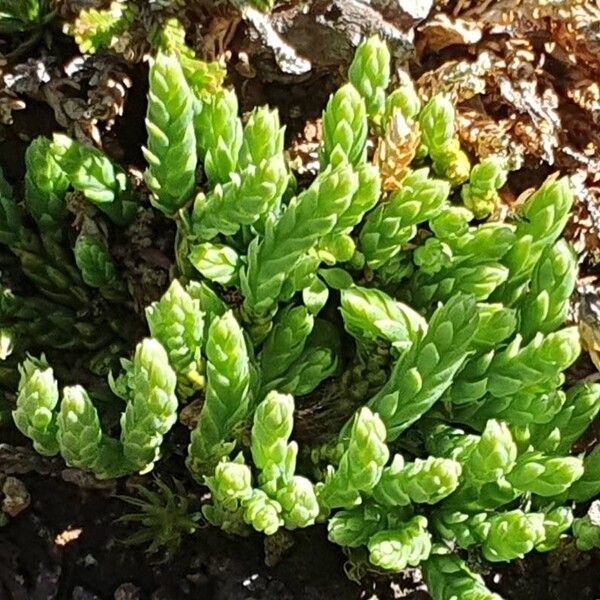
{"type": "Point", "coordinates": [593, 378]}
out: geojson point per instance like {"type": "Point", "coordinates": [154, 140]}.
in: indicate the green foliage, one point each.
{"type": "Point", "coordinates": [46, 185]}
{"type": "Point", "coordinates": [371, 315]}
{"type": "Point", "coordinates": [243, 200]}
{"type": "Point", "coordinates": [313, 214]}
{"type": "Point", "coordinates": [344, 127]}
{"type": "Point", "coordinates": [406, 100]}
{"type": "Point", "coordinates": [95, 29]}
{"type": "Point", "coordinates": [163, 517]}
{"type": "Point", "coordinates": [512, 535]}
{"type": "Point", "coordinates": [219, 135]}
{"type": "Point", "coordinates": [425, 371]}
{"type": "Point", "coordinates": [439, 135]}
{"type": "Point", "coordinates": [480, 195]}
{"type": "Point", "coordinates": [544, 217]}
{"type": "Point", "coordinates": [545, 307]}
{"type": "Point", "coordinates": [227, 396]}
{"type": "Point", "coordinates": [23, 15]}
{"type": "Point", "coordinates": [393, 224]}
{"type": "Point", "coordinates": [263, 137]}
{"type": "Point", "coordinates": [380, 360]}
{"type": "Point", "coordinates": [37, 398]}
{"type": "Point", "coordinates": [171, 151]}
{"type": "Point", "coordinates": [216, 262]}
{"type": "Point", "coordinates": [204, 78]}
{"type": "Point", "coordinates": [275, 457]}
{"type": "Point", "coordinates": [395, 549]}
{"type": "Point", "coordinates": [73, 425]}
{"type": "Point", "coordinates": [588, 486]}
{"type": "Point", "coordinates": [369, 73]}
{"type": "Point", "coordinates": [93, 174]}
{"type": "Point", "coordinates": [281, 498]}
{"type": "Point", "coordinates": [285, 342]}
{"type": "Point", "coordinates": [152, 408]}
{"type": "Point", "coordinates": [587, 529]}
{"type": "Point", "coordinates": [450, 578]}
{"type": "Point", "coordinates": [80, 438]}
{"type": "Point", "coordinates": [361, 466]}
{"type": "Point", "coordinates": [318, 360]}
{"type": "Point", "coordinates": [177, 322]}
{"type": "Point", "coordinates": [97, 267]}
{"type": "Point", "coordinates": [421, 482]}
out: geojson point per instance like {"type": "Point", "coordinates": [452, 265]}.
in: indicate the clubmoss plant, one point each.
{"type": "Point", "coordinates": [399, 334]}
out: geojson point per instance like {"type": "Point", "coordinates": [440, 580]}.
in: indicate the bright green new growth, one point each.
{"type": "Point", "coordinates": [317, 361]}
{"type": "Point", "coordinates": [285, 342]}
{"type": "Point", "coordinates": [80, 437]}
{"type": "Point", "coordinates": [472, 267]}
{"type": "Point", "coordinates": [395, 549]}
{"type": "Point", "coordinates": [271, 453]}
{"type": "Point", "coordinates": [369, 73]}
{"type": "Point", "coordinates": [371, 315]}
{"type": "Point", "coordinates": [345, 127]}
{"type": "Point", "coordinates": [310, 216]}
{"type": "Point", "coordinates": [425, 371]}
{"type": "Point", "coordinates": [219, 135]}
{"type": "Point", "coordinates": [96, 29]}
{"type": "Point", "coordinates": [406, 100]}
{"type": "Point", "coordinates": [227, 395]}
{"type": "Point", "coordinates": [512, 535]}
{"type": "Point", "coordinates": [545, 475]}
{"type": "Point", "coordinates": [587, 487]}
{"type": "Point", "coordinates": [177, 322]}
{"type": "Point", "coordinates": [480, 195]}
{"type": "Point", "coordinates": [275, 457]}
{"type": "Point", "coordinates": [545, 215]}
{"type": "Point", "coordinates": [432, 256]}
{"type": "Point", "coordinates": [421, 482]}
{"type": "Point", "coordinates": [508, 381]}
{"type": "Point", "coordinates": [581, 406]}
{"type": "Point", "coordinates": [353, 528]}
{"type": "Point", "coordinates": [242, 200]}
{"type": "Point", "coordinates": [258, 187]}
{"type": "Point", "coordinates": [393, 224]}
{"type": "Point", "coordinates": [545, 307]}
{"type": "Point", "coordinates": [34, 414]}
{"type": "Point", "coordinates": [204, 78]}
{"type": "Point", "coordinates": [216, 262]}
{"type": "Point", "coordinates": [361, 465]}
{"type": "Point", "coordinates": [171, 150]}
{"type": "Point", "coordinates": [439, 135]}
{"type": "Point", "coordinates": [152, 409]}
{"type": "Point", "coordinates": [338, 245]}
{"type": "Point", "coordinates": [263, 138]}
{"type": "Point", "coordinates": [75, 429]}
{"type": "Point", "coordinates": [494, 455]}
{"type": "Point", "coordinates": [282, 498]}
{"type": "Point", "coordinates": [556, 523]}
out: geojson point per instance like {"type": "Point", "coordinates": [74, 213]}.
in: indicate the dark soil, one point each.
{"type": "Point", "coordinates": [65, 546]}
{"type": "Point", "coordinates": [34, 565]}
